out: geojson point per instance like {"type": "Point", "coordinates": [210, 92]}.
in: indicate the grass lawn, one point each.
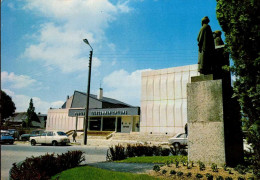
{"type": "Point", "coordinates": [87, 172]}
{"type": "Point", "coordinates": [154, 159]}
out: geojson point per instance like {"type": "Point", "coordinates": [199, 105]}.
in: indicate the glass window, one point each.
{"type": "Point", "coordinates": [182, 136]}
{"type": "Point", "coordinates": [50, 134]}
{"type": "Point", "coordinates": [60, 133]}
{"type": "Point", "coordinates": [44, 134]}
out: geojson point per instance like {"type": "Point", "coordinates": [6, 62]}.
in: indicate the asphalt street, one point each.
{"type": "Point", "coordinates": [15, 153]}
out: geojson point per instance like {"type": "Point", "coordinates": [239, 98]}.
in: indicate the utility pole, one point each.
{"type": "Point", "coordinates": [88, 92]}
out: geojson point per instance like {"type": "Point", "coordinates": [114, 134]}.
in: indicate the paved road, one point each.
{"type": "Point", "coordinates": [15, 153]}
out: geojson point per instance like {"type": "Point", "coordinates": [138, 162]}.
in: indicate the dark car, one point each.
{"type": "Point", "coordinates": [14, 133]}
{"type": "Point", "coordinates": [6, 138]}
{"type": "Point", "coordinates": [26, 137]}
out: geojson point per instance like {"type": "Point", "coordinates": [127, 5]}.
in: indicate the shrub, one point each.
{"type": "Point", "coordinates": [209, 176]}
{"type": "Point", "coordinates": [116, 153]}
{"type": "Point", "coordinates": [164, 171]}
{"type": "Point", "coordinates": [130, 151]}
{"type": "Point", "coordinates": [225, 167]}
{"type": "Point", "coordinates": [229, 171]}
{"type": "Point", "coordinates": [173, 172]}
{"type": "Point", "coordinates": [69, 160]}
{"type": "Point", "coordinates": [189, 174]}
{"type": "Point", "coordinates": [156, 168]}
{"type": "Point", "coordinates": [199, 176]}
{"type": "Point", "coordinates": [219, 178]}
{"type": "Point", "coordinates": [214, 167]}
{"type": "Point", "coordinates": [179, 173]}
{"type": "Point", "coordinates": [201, 165]}
{"type": "Point", "coordinates": [228, 178]}
{"type": "Point", "coordinates": [43, 167]}
{"type": "Point", "coordinates": [157, 150]}
{"type": "Point", "coordinates": [241, 169]}
{"type": "Point", "coordinates": [177, 163]}
{"type": "Point", "coordinates": [240, 178]}
{"type": "Point", "coordinates": [165, 152]}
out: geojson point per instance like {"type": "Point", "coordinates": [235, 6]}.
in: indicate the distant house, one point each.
{"type": "Point", "coordinates": [105, 114]}
{"type": "Point", "coordinates": [19, 118]}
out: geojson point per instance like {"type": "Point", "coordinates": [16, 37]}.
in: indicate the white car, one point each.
{"type": "Point", "coordinates": [50, 137]}
{"type": "Point", "coordinates": [179, 140]}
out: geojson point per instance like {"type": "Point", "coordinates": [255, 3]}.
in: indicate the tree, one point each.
{"type": "Point", "coordinates": [31, 115]}
{"type": "Point", "coordinates": [240, 20]}
{"type": "Point", "coordinates": [7, 105]}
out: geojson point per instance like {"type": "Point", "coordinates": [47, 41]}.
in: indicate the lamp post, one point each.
{"type": "Point", "coordinates": [88, 91]}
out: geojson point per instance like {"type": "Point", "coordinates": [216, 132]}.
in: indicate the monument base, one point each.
{"type": "Point", "coordinates": [214, 135]}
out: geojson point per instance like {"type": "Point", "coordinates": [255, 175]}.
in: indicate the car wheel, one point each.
{"type": "Point", "coordinates": [176, 145]}
{"type": "Point", "coordinates": [11, 142]}
{"type": "Point", "coordinates": [33, 142]}
{"type": "Point", "coordinates": [54, 143]}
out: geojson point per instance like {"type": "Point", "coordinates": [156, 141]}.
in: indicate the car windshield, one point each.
{"type": "Point", "coordinates": [60, 133]}
{"type": "Point", "coordinates": [182, 136]}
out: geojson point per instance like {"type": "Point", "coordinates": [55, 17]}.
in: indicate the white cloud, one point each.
{"type": "Point", "coordinates": [60, 43]}
{"type": "Point", "coordinates": [124, 86]}
{"type": "Point", "coordinates": [17, 81]}
{"type": "Point", "coordinates": [22, 102]}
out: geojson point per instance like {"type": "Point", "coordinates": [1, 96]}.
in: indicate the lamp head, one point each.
{"type": "Point", "coordinates": [86, 41]}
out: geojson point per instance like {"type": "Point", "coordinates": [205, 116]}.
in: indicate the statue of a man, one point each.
{"type": "Point", "coordinates": [217, 38]}
{"type": "Point", "coordinates": [206, 47]}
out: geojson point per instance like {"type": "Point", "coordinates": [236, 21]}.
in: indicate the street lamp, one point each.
{"type": "Point", "coordinates": [88, 90]}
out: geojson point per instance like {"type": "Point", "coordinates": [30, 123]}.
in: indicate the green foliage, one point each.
{"type": "Point", "coordinates": [189, 174]}
{"type": "Point", "coordinates": [43, 167]}
{"type": "Point", "coordinates": [199, 176]}
{"type": "Point", "coordinates": [209, 176]}
{"type": "Point", "coordinates": [116, 153]}
{"type": "Point", "coordinates": [7, 107]}
{"type": "Point", "coordinates": [152, 159]}
{"type": "Point", "coordinates": [214, 167]}
{"type": "Point", "coordinates": [201, 166]}
{"type": "Point", "coordinates": [179, 173]}
{"type": "Point", "coordinates": [165, 152]}
{"type": "Point", "coordinates": [228, 178]}
{"type": "Point", "coordinates": [241, 169]}
{"type": "Point", "coordinates": [240, 22]}
{"type": "Point", "coordinates": [156, 168]}
{"type": "Point", "coordinates": [225, 167]}
{"type": "Point", "coordinates": [31, 115]}
{"type": "Point", "coordinates": [219, 178]}
{"type": "Point", "coordinates": [240, 178]}
{"type": "Point", "coordinates": [164, 171]}
{"type": "Point", "coordinates": [173, 172]}
{"type": "Point", "coordinates": [177, 163]}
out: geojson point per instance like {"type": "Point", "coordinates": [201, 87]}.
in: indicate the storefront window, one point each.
{"type": "Point", "coordinates": [95, 124]}
{"type": "Point", "coordinates": [109, 124]}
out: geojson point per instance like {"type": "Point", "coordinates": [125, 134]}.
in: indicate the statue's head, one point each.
{"type": "Point", "coordinates": [205, 20]}
{"type": "Point", "coordinates": [217, 33]}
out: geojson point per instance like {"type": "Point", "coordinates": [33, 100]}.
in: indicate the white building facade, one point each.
{"type": "Point", "coordinates": [164, 99]}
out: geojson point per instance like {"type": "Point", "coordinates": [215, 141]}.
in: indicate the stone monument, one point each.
{"type": "Point", "coordinates": [214, 125]}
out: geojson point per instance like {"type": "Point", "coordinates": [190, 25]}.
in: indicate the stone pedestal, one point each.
{"type": "Point", "coordinates": [214, 132]}
{"type": "Point", "coordinates": [205, 122]}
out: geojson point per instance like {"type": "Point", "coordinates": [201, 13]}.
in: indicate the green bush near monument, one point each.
{"type": "Point", "coordinates": [240, 22]}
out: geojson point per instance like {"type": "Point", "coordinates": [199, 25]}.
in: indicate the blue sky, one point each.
{"type": "Point", "coordinates": [43, 56]}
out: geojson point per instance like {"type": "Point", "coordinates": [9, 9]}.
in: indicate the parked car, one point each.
{"type": "Point", "coordinates": [6, 137]}
{"type": "Point", "coordinates": [50, 137]}
{"type": "Point", "coordinates": [14, 133]}
{"type": "Point", "coordinates": [179, 140]}
{"type": "Point", "coordinates": [26, 137]}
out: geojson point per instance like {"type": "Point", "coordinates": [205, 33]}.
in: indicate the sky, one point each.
{"type": "Point", "coordinates": [43, 55]}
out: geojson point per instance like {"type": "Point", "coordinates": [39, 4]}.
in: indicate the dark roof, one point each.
{"type": "Point", "coordinates": [106, 99]}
